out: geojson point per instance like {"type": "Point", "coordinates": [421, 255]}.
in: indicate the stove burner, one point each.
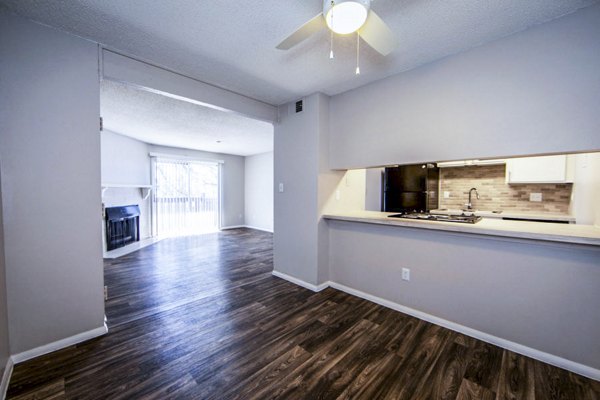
{"type": "Point", "coordinates": [465, 219]}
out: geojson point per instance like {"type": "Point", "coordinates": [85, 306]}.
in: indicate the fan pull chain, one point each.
{"type": "Point", "coordinates": [331, 41]}
{"type": "Point", "coordinates": [331, 48]}
{"type": "Point", "coordinates": [357, 53]}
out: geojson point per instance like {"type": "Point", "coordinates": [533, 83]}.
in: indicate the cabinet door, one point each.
{"type": "Point", "coordinates": [547, 169]}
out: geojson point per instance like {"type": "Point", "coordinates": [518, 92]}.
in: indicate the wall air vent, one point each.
{"type": "Point", "coordinates": [299, 106]}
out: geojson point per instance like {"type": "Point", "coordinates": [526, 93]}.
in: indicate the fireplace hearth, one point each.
{"type": "Point", "coordinates": [122, 226]}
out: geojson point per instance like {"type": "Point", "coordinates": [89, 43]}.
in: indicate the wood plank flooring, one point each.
{"type": "Point", "coordinates": [203, 318]}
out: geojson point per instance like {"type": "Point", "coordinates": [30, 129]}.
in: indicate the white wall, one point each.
{"type": "Point", "coordinates": [232, 181]}
{"type": "Point", "coordinates": [258, 184]}
{"type": "Point", "coordinates": [533, 92]}
{"type": "Point", "coordinates": [124, 160]}
{"type": "Point", "coordinates": [50, 151]}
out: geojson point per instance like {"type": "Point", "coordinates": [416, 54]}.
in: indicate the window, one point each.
{"type": "Point", "coordinates": [186, 197]}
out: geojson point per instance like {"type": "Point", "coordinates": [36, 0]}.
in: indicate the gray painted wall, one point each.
{"type": "Point", "coordinates": [50, 151]}
{"type": "Point", "coordinates": [296, 160]}
{"type": "Point", "coordinates": [540, 295]}
{"type": "Point", "coordinates": [301, 163]}
{"type": "Point", "coordinates": [259, 191]}
{"type": "Point", "coordinates": [533, 92]}
{"type": "Point", "coordinates": [232, 181]}
{"type": "Point", "coordinates": [4, 343]}
{"type": "Point", "coordinates": [328, 181]}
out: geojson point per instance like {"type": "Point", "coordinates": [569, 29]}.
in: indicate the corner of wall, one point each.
{"type": "Point", "coordinates": [5, 361]}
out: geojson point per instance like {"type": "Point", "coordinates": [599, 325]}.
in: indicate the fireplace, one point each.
{"type": "Point", "coordinates": [122, 226]}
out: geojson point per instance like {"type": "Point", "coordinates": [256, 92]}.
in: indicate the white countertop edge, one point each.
{"type": "Point", "coordinates": [587, 235]}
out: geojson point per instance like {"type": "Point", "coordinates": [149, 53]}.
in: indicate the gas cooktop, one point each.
{"type": "Point", "coordinates": [462, 218]}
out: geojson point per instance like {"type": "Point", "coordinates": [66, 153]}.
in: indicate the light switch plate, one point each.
{"type": "Point", "coordinates": [535, 197]}
{"type": "Point", "coordinates": [281, 188]}
{"type": "Point", "coordinates": [446, 195]}
{"type": "Point", "coordinates": [405, 274]}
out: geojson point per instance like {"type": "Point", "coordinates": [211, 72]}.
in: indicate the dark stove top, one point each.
{"type": "Point", "coordinates": [465, 219]}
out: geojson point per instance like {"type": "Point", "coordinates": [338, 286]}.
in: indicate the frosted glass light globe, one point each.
{"type": "Point", "coordinates": [345, 17]}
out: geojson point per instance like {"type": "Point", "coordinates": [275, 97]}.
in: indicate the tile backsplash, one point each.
{"type": "Point", "coordinates": [496, 194]}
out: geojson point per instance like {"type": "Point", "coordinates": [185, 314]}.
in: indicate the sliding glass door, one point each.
{"type": "Point", "coordinates": [186, 197]}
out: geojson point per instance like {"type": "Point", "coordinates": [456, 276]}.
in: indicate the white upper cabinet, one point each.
{"type": "Point", "coordinates": [546, 169]}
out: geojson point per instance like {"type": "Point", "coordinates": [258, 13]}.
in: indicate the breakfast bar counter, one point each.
{"type": "Point", "coordinates": [543, 231]}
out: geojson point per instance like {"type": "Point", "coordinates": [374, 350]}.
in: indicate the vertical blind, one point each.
{"type": "Point", "coordinates": [186, 197]}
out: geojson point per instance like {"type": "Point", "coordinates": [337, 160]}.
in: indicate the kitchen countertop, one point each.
{"type": "Point", "coordinates": [511, 214]}
{"type": "Point", "coordinates": [545, 231]}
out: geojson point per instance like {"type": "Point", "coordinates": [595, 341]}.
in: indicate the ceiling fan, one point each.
{"type": "Point", "coordinates": [345, 17]}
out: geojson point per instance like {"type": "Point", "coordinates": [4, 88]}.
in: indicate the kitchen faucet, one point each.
{"type": "Point", "coordinates": [469, 205]}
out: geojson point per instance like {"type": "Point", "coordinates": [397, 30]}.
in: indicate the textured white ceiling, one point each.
{"type": "Point", "coordinates": [157, 119]}
{"type": "Point", "coordinates": [231, 43]}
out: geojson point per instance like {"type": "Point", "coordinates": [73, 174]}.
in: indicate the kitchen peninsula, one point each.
{"type": "Point", "coordinates": [528, 230]}
{"type": "Point", "coordinates": [510, 283]}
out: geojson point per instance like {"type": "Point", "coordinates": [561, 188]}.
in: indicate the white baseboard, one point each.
{"type": "Point", "coordinates": [59, 344]}
{"type": "Point", "coordinates": [300, 282]}
{"type": "Point", "coordinates": [551, 359]}
{"type": "Point", "coordinates": [259, 229]}
{"type": "Point", "coordinates": [6, 377]}
{"type": "Point", "coordinates": [224, 228]}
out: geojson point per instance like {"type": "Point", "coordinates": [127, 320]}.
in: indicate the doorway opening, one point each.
{"type": "Point", "coordinates": [186, 199]}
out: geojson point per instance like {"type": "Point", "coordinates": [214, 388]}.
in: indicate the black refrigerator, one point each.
{"type": "Point", "coordinates": [409, 188]}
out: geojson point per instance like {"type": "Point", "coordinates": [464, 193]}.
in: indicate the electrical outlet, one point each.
{"type": "Point", "coordinates": [337, 194]}
{"type": "Point", "coordinates": [105, 292]}
{"type": "Point", "coordinates": [535, 197]}
{"type": "Point", "coordinates": [446, 195]}
{"type": "Point", "coordinates": [405, 274]}
{"type": "Point", "coordinates": [281, 188]}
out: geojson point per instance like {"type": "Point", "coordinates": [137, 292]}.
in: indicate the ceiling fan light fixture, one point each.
{"type": "Point", "coordinates": [345, 16]}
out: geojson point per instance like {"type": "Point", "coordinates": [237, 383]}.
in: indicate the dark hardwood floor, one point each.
{"type": "Point", "coordinates": [203, 318]}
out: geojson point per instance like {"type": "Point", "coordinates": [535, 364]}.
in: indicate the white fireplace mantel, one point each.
{"type": "Point", "coordinates": [145, 190]}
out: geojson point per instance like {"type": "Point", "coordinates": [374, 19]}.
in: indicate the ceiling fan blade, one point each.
{"type": "Point", "coordinates": [378, 35]}
{"type": "Point", "coordinates": [304, 32]}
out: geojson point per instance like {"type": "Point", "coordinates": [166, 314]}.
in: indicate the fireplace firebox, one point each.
{"type": "Point", "coordinates": [122, 226]}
